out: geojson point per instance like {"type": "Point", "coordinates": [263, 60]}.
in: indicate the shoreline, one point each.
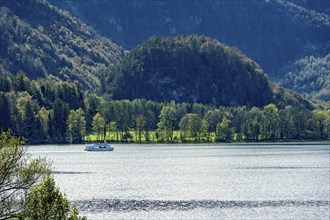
{"type": "Point", "coordinates": [293, 142]}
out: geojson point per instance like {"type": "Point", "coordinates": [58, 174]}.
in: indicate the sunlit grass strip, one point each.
{"type": "Point", "coordinates": [112, 136]}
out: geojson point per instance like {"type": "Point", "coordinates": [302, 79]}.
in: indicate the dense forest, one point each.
{"type": "Point", "coordinates": [192, 68]}
{"type": "Point", "coordinates": [45, 112]}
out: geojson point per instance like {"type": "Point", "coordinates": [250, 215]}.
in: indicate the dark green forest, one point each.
{"type": "Point", "coordinates": [45, 112]}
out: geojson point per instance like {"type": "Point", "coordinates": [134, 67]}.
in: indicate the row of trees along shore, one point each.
{"type": "Point", "coordinates": [59, 112]}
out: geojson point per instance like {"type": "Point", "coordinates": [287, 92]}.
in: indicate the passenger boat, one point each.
{"type": "Point", "coordinates": [99, 147]}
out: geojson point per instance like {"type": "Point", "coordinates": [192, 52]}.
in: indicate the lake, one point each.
{"type": "Point", "coordinates": [195, 181]}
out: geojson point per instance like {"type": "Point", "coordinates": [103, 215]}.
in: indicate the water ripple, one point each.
{"type": "Point", "coordinates": [279, 167]}
{"type": "Point", "coordinates": [98, 205]}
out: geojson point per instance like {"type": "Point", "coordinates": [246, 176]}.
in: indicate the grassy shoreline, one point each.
{"type": "Point", "coordinates": [111, 137]}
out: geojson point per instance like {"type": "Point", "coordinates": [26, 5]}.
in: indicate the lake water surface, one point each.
{"type": "Point", "coordinates": [195, 181]}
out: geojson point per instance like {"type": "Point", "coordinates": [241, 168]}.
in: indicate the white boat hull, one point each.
{"type": "Point", "coordinates": [99, 147]}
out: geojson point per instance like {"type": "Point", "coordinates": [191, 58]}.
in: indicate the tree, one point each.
{"type": "Point", "coordinates": [287, 128]}
{"type": "Point", "coordinates": [167, 120]}
{"type": "Point", "coordinates": [203, 130]}
{"type": "Point", "coordinates": [224, 131]}
{"type": "Point", "coordinates": [190, 127]}
{"type": "Point", "coordinates": [270, 122]}
{"type": "Point", "coordinates": [238, 120]}
{"type": "Point", "coordinates": [92, 103]}
{"type": "Point", "coordinates": [47, 202]}
{"type": "Point", "coordinates": [195, 126]}
{"type": "Point", "coordinates": [43, 116]}
{"type": "Point", "coordinates": [184, 128]}
{"type": "Point", "coordinates": [58, 121]}
{"type": "Point", "coordinates": [98, 126]}
{"type": "Point", "coordinates": [112, 126]}
{"type": "Point", "coordinates": [321, 118]}
{"type": "Point", "coordinates": [212, 117]}
{"type": "Point", "coordinates": [6, 113]}
{"type": "Point", "coordinates": [251, 126]}
{"type": "Point", "coordinates": [18, 174]}
{"type": "Point", "coordinates": [76, 126]}
{"type": "Point", "coordinates": [140, 124]}
{"type": "Point", "coordinates": [32, 127]}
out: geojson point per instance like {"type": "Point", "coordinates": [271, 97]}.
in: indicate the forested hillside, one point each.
{"type": "Point", "coordinates": [273, 33]}
{"type": "Point", "coordinates": [270, 32]}
{"type": "Point", "coordinates": [309, 76]}
{"type": "Point", "coordinates": [194, 69]}
{"type": "Point", "coordinates": [45, 42]}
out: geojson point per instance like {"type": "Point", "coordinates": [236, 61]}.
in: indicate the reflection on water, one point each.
{"type": "Point", "coordinates": [204, 181]}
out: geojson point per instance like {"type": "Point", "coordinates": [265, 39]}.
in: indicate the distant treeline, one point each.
{"type": "Point", "coordinates": [58, 112]}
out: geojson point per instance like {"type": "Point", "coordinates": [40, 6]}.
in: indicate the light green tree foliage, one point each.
{"type": "Point", "coordinates": [74, 214]}
{"type": "Point", "coordinates": [224, 131]}
{"type": "Point", "coordinates": [76, 126]}
{"type": "Point", "coordinates": [212, 117]}
{"type": "Point", "coordinates": [18, 174]}
{"type": "Point", "coordinates": [251, 127]}
{"type": "Point", "coordinates": [43, 115]}
{"type": "Point", "coordinates": [238, 121]}
{"type": "Point", "coordinates": [184, 128]}
{"type": "Point", "coordinates": [150, 121]}
{"type": "Point", "coordinates": [196, 124]}
{"type": "Point", "coordinates": [190, 127]}
{"type": "Point", "coordinates": [139, 124]}
{"type": "Point", "coordinates": [167, 121]}
{"type": "Point", "coordinates": [98, 126]}
{"type": "Point", "coordinates": [287, 128]}
{"type": "Point", "coordinates": [47, 202]}
{"type": "Point", "coordinates": [203, 130]}
{"type": "Point", "coordinates": [270, 122]}
{"type": "Point", "coordinates": [112, 126]}
{"type": "Point", "coordinates": [321, 118]}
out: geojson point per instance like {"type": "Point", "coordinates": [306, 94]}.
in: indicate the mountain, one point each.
{"type": "Point", "coordinates": [270, 32]}
{"type": "Point", "coordinates": [44, 42]}
{"type": "Point", "coordinates": [273, 33]}
{"type": "Point", "coordinates": [50, 43]}
{"type": "Point", "coordinates": [192, 68]}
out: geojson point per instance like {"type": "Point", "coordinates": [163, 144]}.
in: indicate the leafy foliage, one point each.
{"type": "Point", "coordinates": [18, 174]}
{"type": "Point", "coordinates": [47, 202]}
{"type": "Point", "coordinates": [21, 197]}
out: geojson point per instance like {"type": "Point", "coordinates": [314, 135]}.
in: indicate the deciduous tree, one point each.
{"type": "Point", "coordinates": [18, 175]}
